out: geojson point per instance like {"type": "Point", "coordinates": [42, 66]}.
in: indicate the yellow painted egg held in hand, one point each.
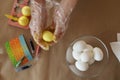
{"type": "Point", "coordinates": [48, 36]}
{"type": "Point", "coordinates": [26, 11]}
{"type": "Point", "coordinates": [23, 21]}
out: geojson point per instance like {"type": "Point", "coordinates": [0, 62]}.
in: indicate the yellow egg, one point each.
{"type": "Point", "coordinates": [26, 11]}
{"type": "Point", "coordinates": [48, 36]}
{"type": "Point", "coordinates": [23, 21]}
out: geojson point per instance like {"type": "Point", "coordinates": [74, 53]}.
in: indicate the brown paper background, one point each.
{"type": "Point", "coordinates": [90, 17]}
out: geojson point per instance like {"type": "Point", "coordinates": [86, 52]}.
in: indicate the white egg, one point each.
{"type": "Point", "coordinates": [79, 46]}
{"type": "Point", "coordinates": [76, 55]}
{"type": "Point", "coordinates": [89, 51]}
{"type": "Point", "coordinates": [92, 60]}
{"type": "Point", "coordinates": [82, 66]}
{"type": "Point", "coordinates": [74, 69]}
{"type": "Point", "coordinates": [89, 47]}
{"type": "Point", "coordinates": [85, 56]}
{"type": "Point", "coordinates": [98, 54]}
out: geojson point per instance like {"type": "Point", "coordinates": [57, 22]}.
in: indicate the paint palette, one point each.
{"type": "Point", "coordinates": [17, 49]}
{"type": "Point", "coordinates": [16, 12]}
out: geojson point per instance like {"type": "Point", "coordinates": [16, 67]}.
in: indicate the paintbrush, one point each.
{"type": "Point", "coordinates": [11, 17]}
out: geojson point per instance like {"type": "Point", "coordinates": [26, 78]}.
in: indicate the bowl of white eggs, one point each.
{"type": "Point", "coordinates": [87, 56]}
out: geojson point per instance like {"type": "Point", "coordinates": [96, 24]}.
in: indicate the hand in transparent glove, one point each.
{"type": "Point", "coordinates": [38, 21]}
{"type": "Point", "coordinates": [62, 15]}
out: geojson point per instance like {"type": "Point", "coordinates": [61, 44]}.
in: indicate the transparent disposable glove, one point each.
{"type": "Point", "coordinates": [38, 22]}
{"type": "Point", "coordinates": [40, 17]}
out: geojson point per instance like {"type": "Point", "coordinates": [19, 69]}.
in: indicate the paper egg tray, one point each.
{"type": "Point", "coordinates": [16, 49]}
{"type": "Point", "coordinates": [16, 12]}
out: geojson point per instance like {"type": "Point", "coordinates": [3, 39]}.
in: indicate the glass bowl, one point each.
{"type": "Point", "coordinates": [97, 67]}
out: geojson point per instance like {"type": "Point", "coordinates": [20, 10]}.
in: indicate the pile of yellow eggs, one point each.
{"type": "Point", "coordinates": [24, 20]}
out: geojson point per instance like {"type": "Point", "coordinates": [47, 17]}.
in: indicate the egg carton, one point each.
{"type": "Point", "coordinates": [16, 12]}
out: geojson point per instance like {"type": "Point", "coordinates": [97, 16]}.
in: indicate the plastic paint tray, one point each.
{"type": "Point", "coordinates": [16, 49]}
{"type": "Point", "coordinates": [16, 12]}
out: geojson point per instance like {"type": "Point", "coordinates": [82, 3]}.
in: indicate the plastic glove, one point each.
{"type": "Point", "coordinates": [39, 17]}
{"type": "Point", "coordinates": [38, 22]}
